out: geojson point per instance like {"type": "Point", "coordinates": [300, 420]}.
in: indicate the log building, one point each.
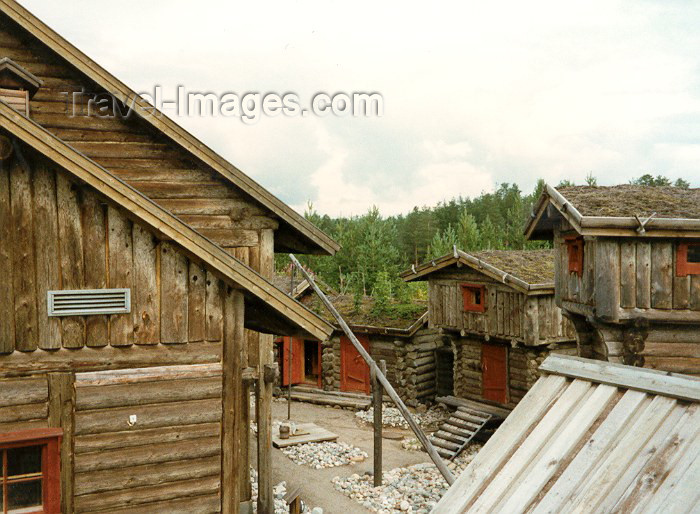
{"type": "Point", "coordinates": [400, 337]}
{"type": "Point", "coordinates": [497, 320]}
{"type": "Point", "coordinates": [627, 271]}
{"type": "Point", "coordinates": [131, 259]}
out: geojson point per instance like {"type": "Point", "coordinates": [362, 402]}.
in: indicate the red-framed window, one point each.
{"type": "Point", "coordinates": [474, 297]}
{"type": "Point", "coordinates": [574, 250]}
{"type": "Point", "coordinates": [687, 259]}
{"type": "Point", "coordinates": [30, 471]}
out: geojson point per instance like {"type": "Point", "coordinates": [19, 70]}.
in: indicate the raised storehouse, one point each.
{"type": "Point", "coordinates": [119, 211]}
{"type": "Point", "coordinates": [627, 270]}
{"type": "Point", "coordinates": [398, 335]}
{"type": "Point", "coordinates": [496, 315]}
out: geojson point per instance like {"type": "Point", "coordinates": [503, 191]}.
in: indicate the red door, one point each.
{"type": "Point", "coordinates": [297, 346]}
{"type": "Point", "coordinates": [494, 373]}
{"type": "Point", "coordinates": [354, 371]}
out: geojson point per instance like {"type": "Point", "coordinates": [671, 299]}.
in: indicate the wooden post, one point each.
{"type": "Point", "coordinates": [265, 385]}
{"type": "Point", "coordinates": [377, 394]}
{"type": "Point", "coordinates": [429, 448]}
{"type": "Point", "coordinates": [232, 382]}
{"type": "Point", "coordinates": [61, 415]}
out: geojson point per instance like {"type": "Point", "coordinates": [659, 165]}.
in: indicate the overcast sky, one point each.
{"type": "Point", "coordinates": [475, 93]}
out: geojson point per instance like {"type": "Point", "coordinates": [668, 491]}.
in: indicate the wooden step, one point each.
{"type": "Point", "coordinates": [468, 418]}
{"type": "Point", "coordinates": [450, 437]}
{"type": "Point", "coordinates": [462, 424]}
{"type": "Point", "coordinates": [472, 412]}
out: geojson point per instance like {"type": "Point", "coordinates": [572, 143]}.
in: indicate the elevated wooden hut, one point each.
{"type": "Point", "coordinates": [65, 232]}
{"type": "Point", "coordinates": [495, 310]}
{"type": "Point", "coordinates": [627, 270]}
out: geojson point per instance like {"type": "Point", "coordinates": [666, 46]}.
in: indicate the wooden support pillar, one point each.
{"type": "Point", "coordinates": [377, 395]}
{"type": "Point", "coordinates": [61, 415]}
{"type": "Point", "coordinates": [265, 385]}
{"type": "Point", "coordinates": [232, 469]}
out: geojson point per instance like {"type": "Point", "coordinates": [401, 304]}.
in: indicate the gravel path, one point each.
{"type": "Point", "coordinates": [391, 417]}
{"type": "Point", "coordinates": [325, 455]}
{"type": "Point", "coordinates": [414, 489]}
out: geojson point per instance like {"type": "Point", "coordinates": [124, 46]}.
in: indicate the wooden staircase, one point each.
{"type": "Point", "coordinates": [458, 430]}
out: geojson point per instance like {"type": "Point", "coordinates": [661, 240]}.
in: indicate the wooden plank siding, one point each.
{"type": "Point", "coordinates": [134, 151]}
{"type": "Point", "coordinates": [506, 315]}
{"type": "Point", "coordinates": [169, 453]}
{"type": "Point", "coordinates": [82, 241]}
{"type": "Point", "coordinates": [639, 273]}
{"type": "Point", "coordinates": [24, 404]}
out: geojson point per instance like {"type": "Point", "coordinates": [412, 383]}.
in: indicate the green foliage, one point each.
{"type": "Point", "coordinates": [591, 180]}
{"type": "Point", "coordinates": [381, 293]}
{"type": "Point", "coordinates": [659, 180]}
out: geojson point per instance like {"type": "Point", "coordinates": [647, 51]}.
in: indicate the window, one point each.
{"type": "Point", "coordinates": [574, 248]}
{"type": "Point", "coordinates": [30, 465]}
{"type": "Point", "coordinates": [474, 297]}
{"type": "Point", "coordinates": [688, 259]}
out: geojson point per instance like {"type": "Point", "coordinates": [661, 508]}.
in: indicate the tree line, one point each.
{"type": "Point", "coordinates": [375, 249]}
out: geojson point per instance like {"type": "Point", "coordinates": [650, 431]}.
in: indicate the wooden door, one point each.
{"type": "Point", "coordinates": [297, 346]}
{"type": "Point", "coordinates": [494, 372]}
{"type": "Point", "coordinates": [354, 371]}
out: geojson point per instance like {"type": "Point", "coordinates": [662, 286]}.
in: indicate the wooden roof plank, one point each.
{"type": "Point", "coordinates": [598, 484]}
{"type": "Point", "coordinates": [593, 450]}
{"type": "Point", "coordinates": [669, 384]}
{"type": "Point", "coordinates": [162, 221]}
{"type": "Point", "coordinates": [164, 124]}
{"type": "Point", "coordinates": [494, 453]}
{"type": "Point", "coordinates": [659, 458]}
{"type": "Point", "coordinates": [525, 490]}
{"type": "Point", "coordinates": [513, 469]}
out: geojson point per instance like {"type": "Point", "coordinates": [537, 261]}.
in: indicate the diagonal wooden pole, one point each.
{"type": "Point", "coordinates": [374, 369]}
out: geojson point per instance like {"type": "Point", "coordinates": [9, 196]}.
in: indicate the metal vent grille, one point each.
{"type": "Point", "coordinates": [84, 302]}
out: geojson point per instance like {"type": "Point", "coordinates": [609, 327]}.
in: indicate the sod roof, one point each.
{"type": "Point", "coordinates": [531, 266]}
{"type": "Point", "coordinates": [629, 200]}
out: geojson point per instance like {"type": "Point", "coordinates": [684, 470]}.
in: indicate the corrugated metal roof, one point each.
{"type": "Point", "coordinates": [612, 439]}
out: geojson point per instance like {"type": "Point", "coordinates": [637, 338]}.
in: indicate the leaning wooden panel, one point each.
{"type": "Point", "coordinates": [70, 233]}
{"type": "Point", "coordinates": [145, 298]}
{"type": "Point", "coordinates": [95, 232]}
{"type": "Point", "coordinates": [7, 299]}
{"type": "Point", "coordinates": [47, 260]}
{"type": "Point", "coordinates": [173, 294]}
{"type": "Point", "coordinates": [23, 254]}
{"type": "Point", "coordinates": [121, 263]}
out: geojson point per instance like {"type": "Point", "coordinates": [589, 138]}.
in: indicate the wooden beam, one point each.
{"type": "Point", "coordinates": [377, 396]}
{"type": "Point", "coordinates": [673, 385]}
{"type": "Point", "coordinates": [429, 448]}
{"type": "Point", "coordinates": [61, 415]}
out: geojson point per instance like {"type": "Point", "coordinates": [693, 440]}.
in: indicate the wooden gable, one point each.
{"type": "Point", "coordinates": [153, 155]}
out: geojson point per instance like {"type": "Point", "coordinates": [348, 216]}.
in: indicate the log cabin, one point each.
{"type": "Point", "coordinates": [400, 337]}
{"type": "Point", "coordinates": [179, 178]}
{"type": "Point", "coordinates": [627, 271]}
{"type": "Point", "coordinates": [497, 320]}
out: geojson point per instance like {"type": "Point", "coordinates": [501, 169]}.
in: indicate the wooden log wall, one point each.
{"type": "Point", "coordinates": [523, 364]}
{"type": "Point", "coordinates": [59, 234]}
{"type": "Point", "coordinates": [148, 440]}
{"type": "Point", "coordinates": [24, 404]}
{"type": "Point", "coordinates": [509, 315]}
{"type": "Point", "coordinates": [133, 150]}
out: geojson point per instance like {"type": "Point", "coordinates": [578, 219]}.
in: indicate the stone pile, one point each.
{"type": "Point", "coordinates": [391, 417]}
{"type": "Point", "coordinates": [280, 490]}
{"type": "Point", "coordinates": [414, 489]}
{"type": "Point", "coordinates": [327, 454]}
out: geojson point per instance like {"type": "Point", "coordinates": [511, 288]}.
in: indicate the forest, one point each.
{"type": "Point", "coordinates": [375, 249]}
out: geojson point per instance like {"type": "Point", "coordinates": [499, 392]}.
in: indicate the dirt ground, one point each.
{"type": "Point", "coordinates": [316, 487]}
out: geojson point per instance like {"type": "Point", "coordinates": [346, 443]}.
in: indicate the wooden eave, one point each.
{"type": "Point", "coordinates": [309, 238]}
{"type": "Point", "coordinates": [268, 309]}
{"type": "Point", "coordinates": [389, 331]}
{"type": "Point", "coordinates": [553, 206]}
{"type": "Point", "coordinates": [462, 258]}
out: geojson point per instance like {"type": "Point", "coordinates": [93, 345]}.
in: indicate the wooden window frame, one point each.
{"type": "Point", "coordinates": [683, 267]}
{"type": "Point", "coordinates": [468, 297]}
{"type": "Point", "coordinates": [574, 251]}
{"type": "Point", "coordinates": [49, 439]}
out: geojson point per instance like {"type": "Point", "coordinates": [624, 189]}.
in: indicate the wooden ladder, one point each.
{"type": "Point", "coordinates": [458, 430]}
